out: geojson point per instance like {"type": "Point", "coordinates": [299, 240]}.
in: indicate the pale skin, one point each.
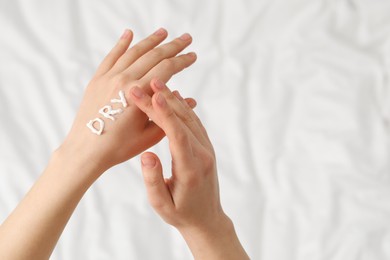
{"type": "Point", "coordinates": [32, 230]}
{"type": "Point", "coordinates": [189, 199]}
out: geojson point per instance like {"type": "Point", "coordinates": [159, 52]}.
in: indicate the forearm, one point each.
{"type": "Point", "coordinates": [34, 227]}
{"type": "Point", "coordinates": [217, 242]}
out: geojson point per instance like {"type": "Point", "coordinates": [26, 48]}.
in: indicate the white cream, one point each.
{"type": "Point", "coordinates": [90, 125]}
{"type": "Point", "coordinates": [108, 112]}
{"type": "Point", "coordinates": [121, 100]}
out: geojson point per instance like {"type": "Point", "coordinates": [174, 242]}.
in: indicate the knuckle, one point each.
{"type": "Point", "coordinates": [136, 50]}
{"type": "Point", "coordinates": [170, 100]}
{"type": "Point", "coordinates": [184, 60]}
{"type": "Point", "coordinates": [152, 181]}
{"type": "Point", "coordinates": [133, 82]}
{"type": "Point", "coordinates": [187, 117]}
{"type": "Point", "coordinates": [158, 53]}
{"type": "Point", "coordinates": [176, 44]}
{"type": "Point", "coordinates": [208, 161]}
{"type": "Point", "coordinates": [192, 180]}
{"type": "Point", "coordinates": [199, 123]}
{"type": "Point", "coordinates": [168, 64]}
{"type": "Point", "coordinates": [121, 81]}
{"type": "Point", "coordinates": [170, 97]}
{"type": "Point", "coordinates": [169, 115]}
{"type": "Point", "coordinates": [181, 138]}
{"type": "Point", "coordinates": [120, 45]}
{"type": "Point", "coordinates": [152, 40]}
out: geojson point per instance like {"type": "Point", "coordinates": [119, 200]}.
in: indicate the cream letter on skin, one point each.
{"type": "Point", "coordinates": [108, 112]}
{"type": "Point", "coordinates": [121, 100]}
{"type": "Point", "coordinates": [93, 129]}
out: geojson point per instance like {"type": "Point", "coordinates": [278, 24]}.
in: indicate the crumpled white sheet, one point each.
{"type": "Point", "coordinates": [294, 94]}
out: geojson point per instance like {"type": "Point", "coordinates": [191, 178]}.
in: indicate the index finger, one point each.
{"type": "Point", "coordinates": [157, 109]}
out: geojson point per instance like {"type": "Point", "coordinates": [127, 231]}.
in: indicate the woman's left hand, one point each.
{"type": "Point", "coordinates": [121, 129]}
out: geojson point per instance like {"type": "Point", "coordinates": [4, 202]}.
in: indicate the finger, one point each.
{"type": "Point", "coordinates": [160, 113]}
{"type": "Point", "coordinates": [140, 67]}
{"type": "Point", "coordinates": [191, 104]}
{"type": "Point", "coordinates": [118, 50]}
{"type": "Point", "coordinates": [167, 68]}
{"type": "Point", "coordinates": [181, 109]}
{"type": "Point", "coordinates": [181, 139]}
{"type": "Point", "coordinates": [139, 50]}
{"type": "Point", "coordinates": [158, 193]}
{"type": "Point", "coordinates": [144, 101]}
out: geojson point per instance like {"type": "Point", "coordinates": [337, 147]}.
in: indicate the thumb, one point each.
{"type": "Point", "coordinates": [158, 192]}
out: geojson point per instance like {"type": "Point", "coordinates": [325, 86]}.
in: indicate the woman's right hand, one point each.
{"type": "Point", "coordinates": [189, 199]}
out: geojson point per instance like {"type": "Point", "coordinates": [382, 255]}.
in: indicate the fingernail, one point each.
{"type": "Point", "coordinates": [125, 34]}
{"type": "Point", "coordinates": [192, 103]}
{"type": "Point", "coordinates": [185, 37]}
{"type": "Point", "coordinates": [148, 161]}
{"type": "Point", "coordinates": [160, 32]}
{"type": "Point", "coordinates": [161, 100]}
{"type": "Point", "coordinates": [137, 92]}
{"type": "Point", "coordinates": [192, 54]}
{"type": "Point", "coordinates": [159, 84]}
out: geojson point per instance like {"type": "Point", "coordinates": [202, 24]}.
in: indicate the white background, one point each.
{"type": "Point", "coordinates": [294, 94]}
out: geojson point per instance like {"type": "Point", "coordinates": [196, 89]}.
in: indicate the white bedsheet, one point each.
{"type": "Point", "coordinates": [294, 94]}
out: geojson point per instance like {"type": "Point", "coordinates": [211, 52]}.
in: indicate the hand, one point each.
{"type": "Point", "coordinates": [190, 198]}
{"type": "Point", "coordinates": [33, 228]}
{"type": "Point", "coordinates": [124, 134]}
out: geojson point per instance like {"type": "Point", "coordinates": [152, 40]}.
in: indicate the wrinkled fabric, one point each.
{"type": "Point", "coordinates": [294, 94]}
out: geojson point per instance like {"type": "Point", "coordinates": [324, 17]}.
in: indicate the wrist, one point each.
{"type": "Point", "coordinates": [217, 241]}
{"type": "Point", "coordinates": [77, 161]}
{"type": "Point", "coordinates": [210, 229]}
